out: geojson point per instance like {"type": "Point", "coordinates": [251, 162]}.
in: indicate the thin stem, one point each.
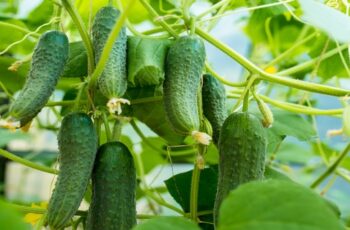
{"type": "Point", "coordinates": [78, 21]}
{"type": "Point", "coordinates": [296, 108]}
{"type": "Point", "coordinates": [222, 79]}
{"type": "Point", "coordinates": [117, 130]}
{"type": "Point", "coordinates": [146, 100]}
{"type": "Point", "coordinates": [212, 8]}
{"type": "Point", "coordinates": [28, 163]}
{"type": "Point", "coordinates": [161, 22]}
{"type": "Point", "coordinates": [304, 85]}
{"type": "Point", "coordinates": [194, 192]}
{"type": "Point", "coordinates": [331, 168]}
{"type": "Point", "coordinates": [285, 54]}
{"type": "Point", "coordinates": [60, 103]}
{"type": "Point", "coordinates": [107, 128]}
{"type": "Point", "coordinates": [161, 29]}
{"type": "Point", "coordinates": [109, 44]}
{"type": "Point", "coordinates": [308, 64]}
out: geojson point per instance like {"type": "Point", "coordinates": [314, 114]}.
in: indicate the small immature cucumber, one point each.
{"type": "Point", "coordinates": [146, 58]}
{"type": "Point", "coordinates": [184, 64]}
{"type": "Point", "coordinates": [113, 203]}
{"type": "Point", "coordinates": [113, 81]}
{"type": "Point", "coordinates": [214, 104]}
{"type": "Point", "coordinates": [49, 58]}
{"type": "Point", "coordinates": [77, 143]}
{"type": "Point", "coordinates": [242, 148]}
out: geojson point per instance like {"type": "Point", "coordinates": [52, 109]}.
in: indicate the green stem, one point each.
{"type": "Point", "coordinates": [304, 85]}
{"type": "Point", "coordinates": [117, 130]}
{"type": "Point", "coordinates": [109, 44]}
{"type": "Point", "coordinates": [161, 202]}
{"type": "Point", "coordinates": [194, 192]}
{"type": "Point", "coordinates": [245, 92]}
{"type": "Point", "coordinates": [222, 79]}
{"type": "Point", "coordinates": [291, 49]}
{"type": "Point", "coordinates": [161, 22]}
{"type": "Point", "coordinates": [3, 87]}
{"type": "Point", "coordinates": [331, 167]}
{"type": "Point", "coordinates": [107, 128]}
{"type": "Point", "coordinates": [296, 108]}
{"type": "Point", "coordinates": [146, 100]}
{"type": "Point", "coordinates": [27, 209]}
{"type": "Point", "coordinates": [161, 29]}
{"type": "Point", "coordinates": [245, 102]}
{"type": "Point", "coordinates": [78, 21]}
{"type": "Point", "coordinates": [60, 103]}
{"type": "Point", "coordinates": [308, 64]}
{"type": "Point", "coordinates": [78, 98]}
{"type": "Point", "coordinates": [28, 163]}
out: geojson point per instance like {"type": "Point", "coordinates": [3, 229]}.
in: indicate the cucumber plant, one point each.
{"type": "Point", "coordinates": [156, 63]}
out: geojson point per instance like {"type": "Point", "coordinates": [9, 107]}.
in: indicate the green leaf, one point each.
{"type": "Point", "coordinates": [138, 13]}
{"type": "Point", "coordinates": [12, 80]}
{"type": "Point", "coordinates": [151, 157]}
{"type": "Point", "coordinates": [153, 113]}
{"type": "Point", "coordinates": [275, 205]}
{"type": "Point", "coordinates": [10, 35]}
{"type": "Point", "coordinates": [331, 21]}
{"type": "Point", "coordinates": [291, 124]}
{"type": "Point", "coordinates": [332, 66]}
{"type": "Point", "coordinates": [6, 136]}
{"type": "Point", "coordinates": [146, 59]}
{"type": "Point", "coordinates": [76, 65]}
{"type": "Point", "coordinates": [41, 14]}
{"type": "Point", "coordinates": [291, 152]}
{"type": "Point", "coordinates": [167, 223]}
{"type": "Point", "coordinates": [11, 219]}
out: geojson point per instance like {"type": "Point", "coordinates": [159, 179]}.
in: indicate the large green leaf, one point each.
{"type": "Point", "coordinates": [168, 223]}
{"type": "Point", "coordinates": [41, 14]}
{"type": "Point", "coordinates": [6, 136]}
{"type": "Point", "coordinates": [333, 22]}
{"type": "Point", "coordinates": [76, 65]}
{"type": "Point", "coordinates": [10, 219]}
{"type": "Point", "coordinates": [12, 80]}
{"type": "Point", "coordinates": [275, 205]}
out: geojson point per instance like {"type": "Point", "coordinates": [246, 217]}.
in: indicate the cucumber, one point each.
{"type": "Point", "coordinates": [49, 58]}
{"type": "Point", "coordinates": [242, 149]}
{"type": "Point", "coordinates": [113, 203]}
{"type": "Point", "coordinates": [214, 104]}
{"type": "Point", "coordinates": [77, 143]}
{"type": "Point", "coordinates": [113, 81]}
{"type": "Point", "coordinates": [184, 64]}
{"type": "Point", "coordinates": [146, 60]}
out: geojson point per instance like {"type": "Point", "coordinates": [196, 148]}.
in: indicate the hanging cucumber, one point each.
{"type": "Point", "coordinates": [113, 203]}
{"type": "Point", "coordinates": [77, 143]}
{"type": "Point", "coordinates": [48, 61]}
{"type": "Point", "coordinates": [113, 81]}
{"type": "Point", "coordinates": [184, 64]}
{"type": "Point", "coordinates": [214, 104]}
{"type": "Point", "coordinates": [146, 59]}
{"type": "Point", "coordinates": [242, 149]}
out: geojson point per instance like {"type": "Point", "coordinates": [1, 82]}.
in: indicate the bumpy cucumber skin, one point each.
{"type": "Point", "coordinates": [113, 203]}
{"type": "Point", "coordinates": [184, 64]}
{"type": "Point", "coordinates": [49, 58]}
{"type": "Point", "coordinates": [113, 81]}
{"type": "Point", "coordinates": [146, 59]}
{"type": "Point", "coordinates": [214, 104]}
{"type": "Point", "coordinates": [242, 149]}
{"type": "Point", "coordinates": [77, 143]}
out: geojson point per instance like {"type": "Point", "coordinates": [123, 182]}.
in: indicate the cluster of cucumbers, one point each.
{"type": "Point", "coordinates": [190, 99]}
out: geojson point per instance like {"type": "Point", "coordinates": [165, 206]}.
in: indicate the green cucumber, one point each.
{"type": "Point", "coordinates": [77, 143]}
{"type": "Point", "coordinates": [214, 104]}
{"type": "Point", "coordinates": [113, 81]}
{"type": "Point", "coordinates": [113, 203]}
{"type": "Point", "coordinates": [242, 149]}
{"type": "Point", "coordinates": [49, 58]}
{"type": "Point", "coordinates": [146, 60]}
{"type": "Point", "coordinates": [184, 64]}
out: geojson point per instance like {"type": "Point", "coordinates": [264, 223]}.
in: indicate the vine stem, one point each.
{"type": "Point", "coordinates": [331, 167]}
{"type": "Point", "coordinates": [78, 21]}
{"type": "Point", "coordinates": [194, 192]}
{"type": "Point", "coordinates": [27, 209]}
{"type": "Point", "coordinates": [161, 22]}
{"type": "Point", "coordinates": [107, 128]}
{"type": "Point", "coordinates": [109, 44]}
{"type": "Point", "coordinates": [223, 80]}
{"type": "Point", "coordinates": [28, 163]}
{"type": "Point", "coordinates": [304, 85]}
